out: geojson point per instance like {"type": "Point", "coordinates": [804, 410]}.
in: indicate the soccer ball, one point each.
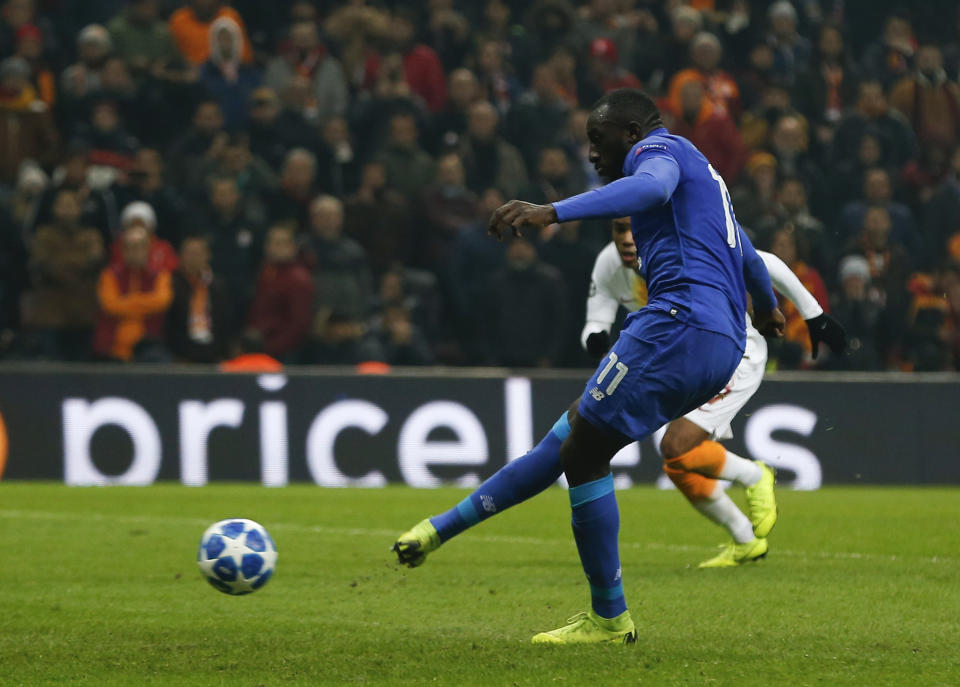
{"type": "Point", "coordinates": [237, 556]}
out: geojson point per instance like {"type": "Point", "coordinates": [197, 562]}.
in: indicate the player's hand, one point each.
{"type": "Point", "coordinates": [518, 213]}
{"type": "Point", "coordinates": [770, 323]}
{"type": "Point", "coordinates": [598, 344]}
{"type": "Point", "coordinates": [826, 329]}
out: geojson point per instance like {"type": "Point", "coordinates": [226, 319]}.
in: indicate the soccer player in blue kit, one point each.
{"type": "Point", "coordinates": [672, 356]}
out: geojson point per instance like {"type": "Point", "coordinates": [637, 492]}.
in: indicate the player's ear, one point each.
{"type": "Point", "coordinates": [634, 132]}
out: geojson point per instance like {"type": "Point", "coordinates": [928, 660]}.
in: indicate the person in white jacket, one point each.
{"type": "Point", "coordinates": [693, 458]}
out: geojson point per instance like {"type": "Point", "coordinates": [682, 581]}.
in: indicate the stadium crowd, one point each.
{"type": "Point", "coordinates": [312, 180]}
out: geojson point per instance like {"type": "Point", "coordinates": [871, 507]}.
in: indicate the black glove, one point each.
{"type": "Point", "coordinates": [826, 329]}
{"type": "Point", "coordinates": [598, 344]}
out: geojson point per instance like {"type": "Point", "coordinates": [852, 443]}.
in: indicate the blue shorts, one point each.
{"type": "Point", "coordinates": [658, 370]}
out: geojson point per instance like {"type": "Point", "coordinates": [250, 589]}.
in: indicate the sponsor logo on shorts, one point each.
{"type": "Point", "coordinates": [597, 394]}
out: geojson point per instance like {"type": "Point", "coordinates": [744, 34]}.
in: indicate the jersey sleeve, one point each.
{"type": "Point", "coordinates": [602, 303]}
{"type": "Point", "coordinates": [787, 283]}
{"type": "Point", "coordinates": [651, 184]}
{"type": "Point", "coordinates": [756, 277]}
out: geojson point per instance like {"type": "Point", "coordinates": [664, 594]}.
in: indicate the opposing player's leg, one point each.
{"type": "Point", "coordinates": [514, 483]}
{"type": "Point", "coordinates": [658, 370]}
{"type": "Point", "coordinates": [687, 444]}
{"type": "Point", "coordinates": [704, 493]}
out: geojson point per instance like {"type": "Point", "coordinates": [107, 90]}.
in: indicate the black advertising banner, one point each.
{"type": "Point", "coordinates": [134, 425]}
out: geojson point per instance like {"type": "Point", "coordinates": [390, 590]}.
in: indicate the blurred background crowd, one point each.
{"type": "Point", "coordinates": [311, 180]}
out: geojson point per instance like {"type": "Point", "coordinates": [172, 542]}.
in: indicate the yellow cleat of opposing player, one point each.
{"type": "Point", "coordinates": [761, 502]}
{"type": "Point", "coordinates": [413, 545]}
{"type": "Point", "coordinates": [734, 554]}
{"type": "Point", "coordinates": [589, 628]}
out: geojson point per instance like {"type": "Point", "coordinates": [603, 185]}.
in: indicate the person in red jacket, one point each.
{"type": "Point", "coordinates": [282, 308]}
{"type": "Point", "coordinates": [421, 66]}
{"type": "Point", "coordinates": [133, 299]}
{"type": "Point", "coordinates": [710, 129]}
{"type": "Point", "coordinates": [162, 256]}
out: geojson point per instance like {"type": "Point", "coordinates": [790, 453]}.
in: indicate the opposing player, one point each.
{"type": "Point", "coordinates": [674, 355]}
{"type": "Point", "coordinates": [693, 459]}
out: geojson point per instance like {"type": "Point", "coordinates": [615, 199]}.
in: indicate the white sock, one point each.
{"type": "Point", "coordinates": [723, 511]}
{"type": "Point", "coordinates": [740, 470]}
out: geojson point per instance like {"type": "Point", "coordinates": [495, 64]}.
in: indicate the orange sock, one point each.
{"type": "Point", "coordinates": [707, 459]}
{"type": "Point", "coordinates": [695, 487]}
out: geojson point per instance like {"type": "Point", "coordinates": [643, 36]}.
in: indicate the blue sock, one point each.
{"type": "Point", "coordinates": [513, 483]}
{"type": "Point", "coordinates": [596, 524]}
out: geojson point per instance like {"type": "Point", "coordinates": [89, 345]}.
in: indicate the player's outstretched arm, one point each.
{"type": "Point", "coordinates": [767, 318]}
{"type": "Point", "coordinates": [822, 326]}
{"type": "Point", "coordinates": [652, 184]}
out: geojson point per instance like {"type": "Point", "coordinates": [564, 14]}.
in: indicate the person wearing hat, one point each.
{"type": "Point", "coordinates": [225, 78]}
{"type": "Point", "coordinates": [85, 76]}
{"type": "Point", "coordinates": [30, 47]}
{"type": "Point", "coordinates": [857, 305]}
{"type": "Point", "coordinates": [604, 70]}
{"type": "Point", "coordinates": [161, 256]}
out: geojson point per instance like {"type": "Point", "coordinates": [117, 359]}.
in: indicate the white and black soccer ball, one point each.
{"type": "Point", "coordinates": [237, 556]}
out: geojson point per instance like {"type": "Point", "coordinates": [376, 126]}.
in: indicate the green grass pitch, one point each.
{"type": "Point", "coordinates": [99, 587]}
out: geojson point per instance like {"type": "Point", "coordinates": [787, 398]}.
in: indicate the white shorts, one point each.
{"type": "Point", "coordinates": [716, 414]}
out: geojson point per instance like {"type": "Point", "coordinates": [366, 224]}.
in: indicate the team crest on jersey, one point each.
{"type": "Point", "coordinates": [650, 146]}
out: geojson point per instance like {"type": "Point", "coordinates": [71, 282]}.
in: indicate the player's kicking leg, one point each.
{"type": "Point", "coordinates": [514, 483]}
{"type": "Point", "coordinates": [683, 443]}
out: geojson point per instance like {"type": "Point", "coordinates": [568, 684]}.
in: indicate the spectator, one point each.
{"type": "Point", "coordinates": [421, 66]}
{"type": "Point", "coordinates": [720, 88]}
{"type": "Point", "coordinates": [448, 206]}
{"type": "Point", "coordinates": [140, 38]}
{"type": "Point", "coordinates": [796, 349]}
{"type": "Point", "coordinates": [754, 198]}
{"type": "Point", "coordinates": [828, 86]}
{"type": "Point", "coordinates": [789, 142]}
{"type": "Point", "coordinates": [577, 146]}
{"type": "Point", "coordinates": [190, 27]}
{"type": "Point", "coordinates": [146, 182]}
{"type": "Point", "coordinates": [84, 78]}
{"type": "Point", "coordinates": [228, 81]}
{"type": "Point", "coordinates": [254, 176]}
{"type": "Point", "coordinates": [891, 58]}
{"type": "Point", "coordinates": [290, 201]}
{"type": "Point", "coordinates": [305, 56]}
{"type": "Point", "coordinates": [233, 230]}
{"type": "Point", "coordinates": [488, 159]}
{"type": "Point", "coordinates": [409, 168]}
{"type": "Point", "coordinates": [475, 260]}
{"type": "Point", "coordinates": [525, 314]}
{"type": "Point", "coordinates": [111, 145]}
{"type": "Point", "coordinates": [569, 254]}
{"type": "Point", "coordinates": [133, 299]}
{"type": "Point", "coordinates": [930, 100]}
{"type": "Point", "coordinates": [401, 341]}
{"type": "Point", "coordinates": [941, 218]}
{"type": "Point", "coordinates": [859, 308]}
{"type": "Point", "coordinates": [358, 29]}
{"type": "Point", "coordinates": [602, 19]}
{"type": "Point", "coordinates": [604, 72]}
{"type": "Point", "coordinates": [161, 256]}
{"type": "Point", "coordinates": [926, 345]}
{"type": "Point", "coordinates": [281, 312]}
{"type": "Point", "coordinates": [448, 32]}
{"type": "Point", "coordinates": [198, 322]}
{"type": "Point", "coordinates": [338, 145]}
{"type": "Point", "coordinates": [550, 23]}
{"type": "Point", "coordinates": [379, 219]}
{"type": "Point", "coordinates": [275, 130]}
{"type": "Point", "coordinates": [497, 83]}
{"type": "Point", "coordinates": [686, 22]}
{"type": "Point", "coordinates": [98, 204]}
{"type": "Point", "coordinates": [449, 125]}
{"type": "Point", "coordinates": [30, 48]}
{"type": "Point", "coordinates": [248, 356]}
{"type": "Point", "coordinates": [513, 38]}
{"type": "Point", "coordinates": [14, 15]}
{"type": "Point", "coordinates": [791, 210]}
{"type": "Point", "coordinates": [339, 264]}
{"type": "Point", "coordinates": [878, 192]}
{"type": "Point", "coordinates": [554, 179]}
{"type": "Point", "coordinates": [26, 128]}
{"type": "Point", "coordinates": [873, 113]}
{"type": "Point", "coordinates": [202, 143]}
{"type": "Point", "coordinates": [710, 129]}
{"type": "Point", "coordinates": [61, 306]}
{"type": "Point", "coordinates": [538, 117]}
{"type": "Point", "coordinates": [563, 64]}
{"type": "Point", "coordinates": [791, 51]}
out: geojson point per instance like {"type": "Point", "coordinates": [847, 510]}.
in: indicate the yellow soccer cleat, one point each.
{"type": "Point", "coordinates": [761, 503]}
{"type": "Point", "coordinates": [734, 554]}
{"type": "Point", "coordinates": [589, 628]}
{"type": "Point", "coordinates": [413, 545]}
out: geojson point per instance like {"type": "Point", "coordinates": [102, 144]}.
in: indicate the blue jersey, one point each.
{"type": "Point", "coordinates": [692, 254]}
